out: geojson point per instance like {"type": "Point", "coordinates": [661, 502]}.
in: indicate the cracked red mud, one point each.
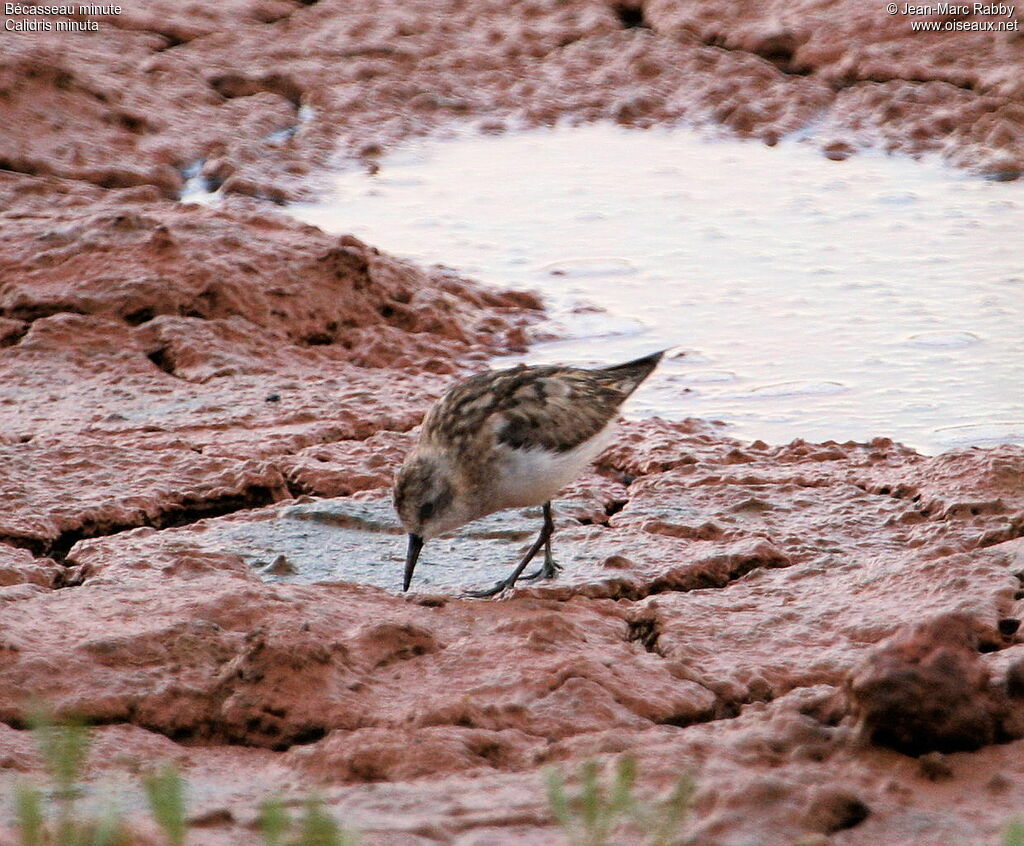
{"type": "Point", "coordinates": [258, 94]}
{"type": "Point", "coordinates": [824, 635]}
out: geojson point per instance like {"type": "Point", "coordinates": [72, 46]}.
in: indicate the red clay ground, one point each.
{"type": "Point", "coordinates": [259, 93]}
{"type": "Point", "coordinates": [823, 635]}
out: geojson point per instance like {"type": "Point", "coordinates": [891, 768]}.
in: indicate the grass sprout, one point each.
{"type": "Point", "coordinates": [51, 817]}
{"type": "Point", "coordinates": [1013, 834]}
{"type": "Point", "coordinates": [165, 793]}
{"type": "Point", "coordinates": [606, 808]}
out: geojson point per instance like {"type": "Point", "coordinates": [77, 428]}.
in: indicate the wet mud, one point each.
{"type": "Point", "coordinates": [195, 401]}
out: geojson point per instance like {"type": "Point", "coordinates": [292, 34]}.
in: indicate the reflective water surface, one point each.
{"type": "Point", "coordinates": [809, 298]}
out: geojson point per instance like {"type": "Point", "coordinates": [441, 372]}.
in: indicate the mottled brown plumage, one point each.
{"type": "Point", "coordinates": [555, 408]}
{"type": "Point", "coordinates": [509, 438]}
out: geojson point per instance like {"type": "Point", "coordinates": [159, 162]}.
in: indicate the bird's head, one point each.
{"type": "Point", "coordinates": [428, 503]}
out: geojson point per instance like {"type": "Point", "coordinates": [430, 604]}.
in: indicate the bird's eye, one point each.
{"type": "Point", "coordinates": [426, 511]}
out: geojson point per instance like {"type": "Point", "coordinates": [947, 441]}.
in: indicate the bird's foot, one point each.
{"type": "Point", "coordinates": [486, 593]}
{"type": "Point", "coordinates": [547, 571]}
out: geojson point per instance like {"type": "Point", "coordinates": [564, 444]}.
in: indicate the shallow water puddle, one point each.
{"type": "Point", "coordinates": [814, 299]}
{"type": "Point", "coordinates": [346, 540]}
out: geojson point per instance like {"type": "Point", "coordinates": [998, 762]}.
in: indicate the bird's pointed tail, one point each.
{"type": "Point", "coordinates": [627, 377]}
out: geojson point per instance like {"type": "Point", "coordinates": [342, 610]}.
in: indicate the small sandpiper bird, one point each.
{"type": "Point", "coordinates": [509, 439]}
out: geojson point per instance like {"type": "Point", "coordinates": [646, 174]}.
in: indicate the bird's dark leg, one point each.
{"type": "Point", "coordinates": [550, 568]}
{"type": "Point", "coordinates": [543, 539]}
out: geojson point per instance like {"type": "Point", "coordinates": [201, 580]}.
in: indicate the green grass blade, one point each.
{"type": "Point", "coordinates": [28, 810]}
{"type": "Point", "coordinates": [591, 803]}
{"type": "Point", "coordinates": [1013, 835]}
{"type": "Point", "coordinates": [64, 748]}
{"type": "Point", "coordinates": [318, 828]}
{"type": "Point", "coordinates": [165, 793]}
{"type": "Point", "coordinates": [274, 822]}
{"type": "Point", "coordinates": [621, 799]}
{"type": "Point", "coordinates": [558, 800]}
{"type": "Point", "coordinates": [671, 813]}
{"type": "Point", "coordinates": [74, 833]}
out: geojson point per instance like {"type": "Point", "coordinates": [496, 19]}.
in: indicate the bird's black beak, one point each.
{"type": "Point", "coordinates": [415, 545]}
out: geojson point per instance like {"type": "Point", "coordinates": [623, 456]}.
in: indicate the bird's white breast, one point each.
{"type": "Point", "coordinates": [532, 476]}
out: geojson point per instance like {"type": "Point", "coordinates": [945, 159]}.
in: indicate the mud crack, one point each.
{"type": "Point", "coordinates": [183, 513]}
{"type": "Point", "coordinates": [645, 631]}
{"type": "Point", "coordinates": [779, 52]}
{"type": "Point", "coordinates": [716, 571]}
{"type": "Point", "coordinates": [631, 15]}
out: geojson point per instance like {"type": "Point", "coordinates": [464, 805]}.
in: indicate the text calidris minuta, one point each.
{"type": "Point", "coordinates": [509, 439]}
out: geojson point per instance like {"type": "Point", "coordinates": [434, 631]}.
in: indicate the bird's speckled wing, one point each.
{"type": "Point", "coordinates": [543, 407]}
